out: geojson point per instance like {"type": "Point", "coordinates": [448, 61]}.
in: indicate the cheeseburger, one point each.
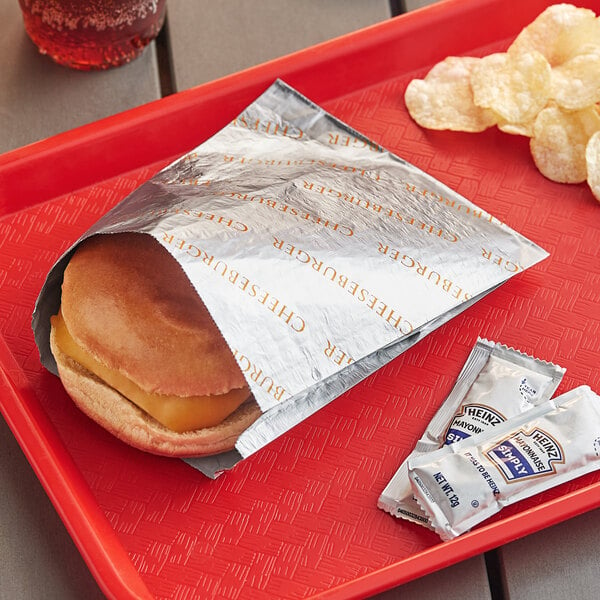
{"type": "Point", "coordinates": [139, 353]}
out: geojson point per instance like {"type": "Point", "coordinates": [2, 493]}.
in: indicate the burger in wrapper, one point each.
{"type": "Point", "coordinates": [139, 353]}
{"type": "Point", "coordinates": [259, 277]}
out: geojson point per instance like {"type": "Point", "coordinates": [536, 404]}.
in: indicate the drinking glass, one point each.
{"type": "Point", "coordinates": [92, 34]}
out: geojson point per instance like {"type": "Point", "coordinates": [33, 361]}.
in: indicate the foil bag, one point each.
{"type": "Point", "coordinates": [320, 255]}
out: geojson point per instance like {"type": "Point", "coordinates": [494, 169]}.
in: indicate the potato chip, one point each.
{"type": "Point", "coordinates": [575, 84]}
{"type": "Point", "coordinates": [557, 32]}
{"type": "Point", "coordinates": [559, 141]}
{"type": "Point", "coordinates": [444, 100]}
{"type": "Point", "coordinates": [592, 158]}
{"type": "Point", "coordinates": [524, 129]}
{"type": "Point", "coordinates": [516, 87]}
{"type": "Point", "coordinates": [582, 38]}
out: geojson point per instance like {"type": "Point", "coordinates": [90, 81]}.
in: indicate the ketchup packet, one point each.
{"type": "Point", "coordinates": [320, 255]}
{"type": "Point", "coordinates": [495, 384]}
{"type": "Point", "coordinates": [465, 483]}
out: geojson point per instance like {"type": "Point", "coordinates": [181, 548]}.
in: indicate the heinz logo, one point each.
{"type": "Point", "coordinates": [526, 454]}
{"type": "Point", "coordinates": [471, 420]}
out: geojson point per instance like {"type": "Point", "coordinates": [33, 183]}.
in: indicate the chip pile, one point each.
{"type": "Point", "coordinates": [546, 86]}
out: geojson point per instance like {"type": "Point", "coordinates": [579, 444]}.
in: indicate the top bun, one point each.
{"type": "Point", "coordinates": [128, 302]}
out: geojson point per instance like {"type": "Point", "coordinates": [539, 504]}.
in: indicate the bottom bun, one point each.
{"type": "Point", "coordinates": [126, 421]}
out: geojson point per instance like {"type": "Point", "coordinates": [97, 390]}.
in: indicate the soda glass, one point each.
{"type": "Point", "coordinates": [92, 34]}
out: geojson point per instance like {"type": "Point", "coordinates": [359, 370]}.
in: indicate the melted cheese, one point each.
{"type": "Point", "coordinates": [174, 412]}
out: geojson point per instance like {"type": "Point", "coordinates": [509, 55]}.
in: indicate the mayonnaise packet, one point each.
{"type": "Point", "coordinates": [465, 483]}
{"type": "Point", "coordinates": [495, 384]}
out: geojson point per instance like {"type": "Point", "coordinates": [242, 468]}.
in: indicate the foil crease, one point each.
{"type": "Point", "coordinates": [320, 255]}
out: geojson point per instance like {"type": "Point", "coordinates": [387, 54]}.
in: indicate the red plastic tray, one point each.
{"type": "Point", "coordinates": [299, 518]}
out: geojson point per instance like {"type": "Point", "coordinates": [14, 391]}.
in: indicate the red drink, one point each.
{"type": "Point", "coordinates": [92, 34]}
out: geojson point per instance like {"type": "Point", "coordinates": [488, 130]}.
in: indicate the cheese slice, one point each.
{"type": "Point", "coordinates": [174, 412]}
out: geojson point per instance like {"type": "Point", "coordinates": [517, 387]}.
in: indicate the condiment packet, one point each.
{"type": "Point", "coordinates": [495, 384]}
{"type": "Point", "coordinates": [465, 483]}
{"type": "Point", "coordinates": [320, 255]}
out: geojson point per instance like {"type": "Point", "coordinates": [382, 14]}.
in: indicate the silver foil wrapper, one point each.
{"type": "Point", "coordinates": [320, 255]}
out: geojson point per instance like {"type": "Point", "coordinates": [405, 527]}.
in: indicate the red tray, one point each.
{"type": "Point", "coordinates": [299, 518]}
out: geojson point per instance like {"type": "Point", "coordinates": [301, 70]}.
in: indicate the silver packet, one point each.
{"type": "Point", "coordinates": [320, 255]}
{"type": "Point", "coordinates": [463, 484]}
{"type": "Point", "coordinates": [495, 384]}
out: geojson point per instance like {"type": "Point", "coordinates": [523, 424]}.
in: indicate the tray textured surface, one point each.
{"type": "Point", "coordinates": [300, 517]}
